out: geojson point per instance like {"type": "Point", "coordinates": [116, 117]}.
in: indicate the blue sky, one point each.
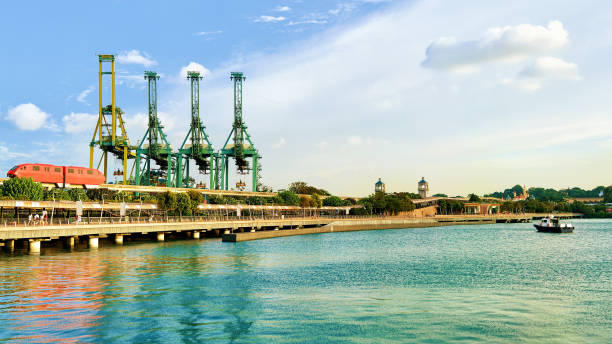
{"type": "Point", "coordinates": [475, 95]}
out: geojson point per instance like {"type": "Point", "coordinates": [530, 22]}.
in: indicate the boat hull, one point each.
{"type": "Point", "coordinates": [551, 229]}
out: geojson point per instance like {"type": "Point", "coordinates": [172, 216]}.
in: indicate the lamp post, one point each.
{"type": "Point", "coordinates": [101, 209]}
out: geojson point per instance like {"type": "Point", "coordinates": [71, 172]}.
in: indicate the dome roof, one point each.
{"type": "Point", "coordinates": [379, 182]}
{"type": "Point", "coordinates": [422, 180]}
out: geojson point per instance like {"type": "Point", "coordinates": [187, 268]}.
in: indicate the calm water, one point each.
{"type": "Point", "coordinates": [496, 283]}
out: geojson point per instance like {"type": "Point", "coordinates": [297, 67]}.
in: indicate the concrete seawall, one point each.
{"type": "Point", "coordinates": [364, 225]}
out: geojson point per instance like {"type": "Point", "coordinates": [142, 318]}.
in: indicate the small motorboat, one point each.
{"type": "Point", "coordinates": [551, 224]}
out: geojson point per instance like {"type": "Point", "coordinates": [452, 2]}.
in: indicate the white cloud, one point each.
{"type": "Point", "coordinates": [509, 43]}
{"type": "Point", "coordinates": [193, 67]}
{"type": "Point", "coordinates": [308, 21]}
{"type": "Point", "coordinates": [79, 122]}
{"type": "Point", "coordinates": [136, 57]}
{"type": "Point", "coordinates": [551, 67]}
{"type": "Point", "coordinates": [28, 116]}
{"type": "Point", "coordinates": [533, 77]}
{"type": "Point", "coordinates": [81, 97]}
{"type": "Point", "coordinates": [8, 154]}
{"type": "Point", "coordinates": [208, 33]}
{"type": "Point", "coordinates": [268, 19]}
{"type": "Point", "coordinates": [283, 9]}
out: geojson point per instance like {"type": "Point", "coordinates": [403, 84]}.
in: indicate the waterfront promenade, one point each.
{"type": "Point", "coordinates": [230, 229]}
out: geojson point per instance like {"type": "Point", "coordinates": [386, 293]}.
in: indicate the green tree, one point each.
{"type": "Point", "coordinates": [23, 189]}
{"type": "Point", "coordinates": [195, 199]}
{"type": "Point", "coordinates": [315, 201]}
{"type": "Point", "coordinates": [305, 201]}
{"type": "Point", "coordinates": [607, 194]}
{"type": "Point", "coordinates": [183, 204]}
{"type": "Point", "coordinates": [167, 201]}
{"type": "Point", "coordinates": [78, 195]}
{"type": "Point", "coordinates": [57, 194]}
{"type": "Point", "coordinates": [474, 198]}
{"type": "Point", "coordinates": [440, 195]}
{"type": "Point", "coordinates": [333, 201]}
{"type": "Point", "coordinates": [289, 197]}
{"type": "Point", "coordinates": [305, 189]}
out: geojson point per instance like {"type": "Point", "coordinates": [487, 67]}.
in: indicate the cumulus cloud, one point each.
{"type": "Point", "coordinates": [268, 19]}
{"type": "Point", "coordinates": [283, 9]}
{"type": "Point", "coordinates": [193, 67]}
{"type": "Point", "coordinates": [8, 154]}
{"type": "Point", "coordinates": [79, 122]}
{"type": "Point", "coordinates": [136, 57]}
{"type": "Point", "coordinates": [28, 116]}
{"type": "Point", "coordinates": [510, 43]}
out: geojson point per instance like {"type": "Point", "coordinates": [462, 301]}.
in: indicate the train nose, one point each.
{"type": "Point", "coordinates": [11, 174]}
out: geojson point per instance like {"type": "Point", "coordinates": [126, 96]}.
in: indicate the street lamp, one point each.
{"type": "Point", "coordinates": [101, 209]}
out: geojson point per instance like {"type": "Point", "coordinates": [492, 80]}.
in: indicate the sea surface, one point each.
{"type": "Point", "coordinates": [501, 283]}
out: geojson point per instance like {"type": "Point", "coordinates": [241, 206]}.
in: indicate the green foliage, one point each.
{"type": "Point", "coordinates": [167, 201]}
{"type": "Point", "coordinates": [57, 194]}
{"type": "Point", "coordinates": [315, 201]}
{"type": "Point", "coordinates": [333, 201]}
{"type": "Point", "coordinates": [255, 200]}
{"type": "Point", "coordinates": [78, 195]}
{"type": "Point", "coordinates": [305, 201]}
{"type": "Point", "coordinates": [195, 199]}
{"type": "Point", "coordinates": [447, 207]}
{"type": "Point", "coordinates": [350, 201]}
{"type": "Point", "coordinates": [474, 198]}
{"type": "Point", "coordinates": [23, 189]}
{"type": "Point", "coordinates": [440, 195]}
{"type": "Point", "coordinates": [607, 194]}
{"type": "Point", "coordinates": [183, 204]}
{"type": "Point", "coordinates": [382, 203]}
{"type": "Point", "coordinates": [305, 189]}
{"type": "Point", "coordinates": [97, 194]}
{"type": "Point", "coordinates": [289, 197]}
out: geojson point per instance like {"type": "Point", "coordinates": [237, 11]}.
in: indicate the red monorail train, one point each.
{"type": "Point", "coordinates": [62, 176]}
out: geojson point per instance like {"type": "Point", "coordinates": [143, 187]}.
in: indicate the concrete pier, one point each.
{"type": "Point", "coordinates": [196, 235]}
{"type": "Point", "coordinates": [160, 236]}
{"type": "Point", "coordinates": [70, 242]}
{"type": "Point", "coordinates": [93, 242]}
{"type": "Point", "coordinates": [119, 239]}
{"type": "Point", "coordinates": [34, 246]}
{"type": "Point", "coordinates": [10, 245]}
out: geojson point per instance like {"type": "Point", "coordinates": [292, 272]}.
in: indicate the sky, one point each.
{"type": "Point", "coordinates": [475, 96]}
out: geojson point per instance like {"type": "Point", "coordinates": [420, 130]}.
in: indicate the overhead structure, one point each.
{"type": "Point", "coordinates": [238, 144]}
{"type": "Point", "coordinates": [154, 146]}
{"type": "Point", "coordinates": [196, 146]}
{"type": "Point", "coordinates": [110, 135]}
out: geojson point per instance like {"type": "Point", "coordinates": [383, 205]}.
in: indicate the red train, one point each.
{"type": "Point", "coordinates": [63, 176]}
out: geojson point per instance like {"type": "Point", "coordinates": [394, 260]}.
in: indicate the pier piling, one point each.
{"type": "Point", "coordinates": [93, 242]}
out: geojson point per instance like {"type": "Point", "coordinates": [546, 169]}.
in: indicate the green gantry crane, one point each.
{"type": "Point", "coordinates": [154, 146]}
{"type": "Point", "coordinates": [241, 147]}
{"type": "Point", "coordinates": [199, 149]}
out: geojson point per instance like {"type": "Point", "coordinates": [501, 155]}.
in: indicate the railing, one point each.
{"type": "Point", "coordinates": [170, 219]}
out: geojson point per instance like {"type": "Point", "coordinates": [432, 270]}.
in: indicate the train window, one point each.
{"type": "Point", "coordinates": [80, 171]}
{"type": "Point", "coordinates": [57, 169]}
{"type": "Point", "coordinates": [36, 168]}
{"type": "Point", "coordinates": [14, 168]}
{"type": "Point", "coordinates": [46, 169]}
{"type": "Point", "coordinates": [89, 172]}
{"type": "Point", "coordinates": [70, 170]}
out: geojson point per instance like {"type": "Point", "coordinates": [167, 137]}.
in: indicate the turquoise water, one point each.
{"type": "Point", "coordinates": [463, 284]}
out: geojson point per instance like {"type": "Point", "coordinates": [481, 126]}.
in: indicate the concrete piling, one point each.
{"type": "Point", "coordinates": [119, 239]}
{"type": "Point", "coordinates": [196, 235]}
{"type": "Point", "coordinates": [70, 242]}
{"type": "Point", "coordinates": [93, 242]}
{"type": "Point", "coordinates": [160, 236]}
{"type": "Point", "coordinates": [34, 246]}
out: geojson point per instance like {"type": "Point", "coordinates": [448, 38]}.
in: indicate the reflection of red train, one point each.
{"type": "Point", "coordinates": [61, 175]}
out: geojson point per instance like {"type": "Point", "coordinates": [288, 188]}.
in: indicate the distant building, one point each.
{"type": "Point", "coordinates": [423, 188]}
{"type": "Point", "coordinates": [379, 186]}
{"type": "Point", "coordinates": [522, 197]}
